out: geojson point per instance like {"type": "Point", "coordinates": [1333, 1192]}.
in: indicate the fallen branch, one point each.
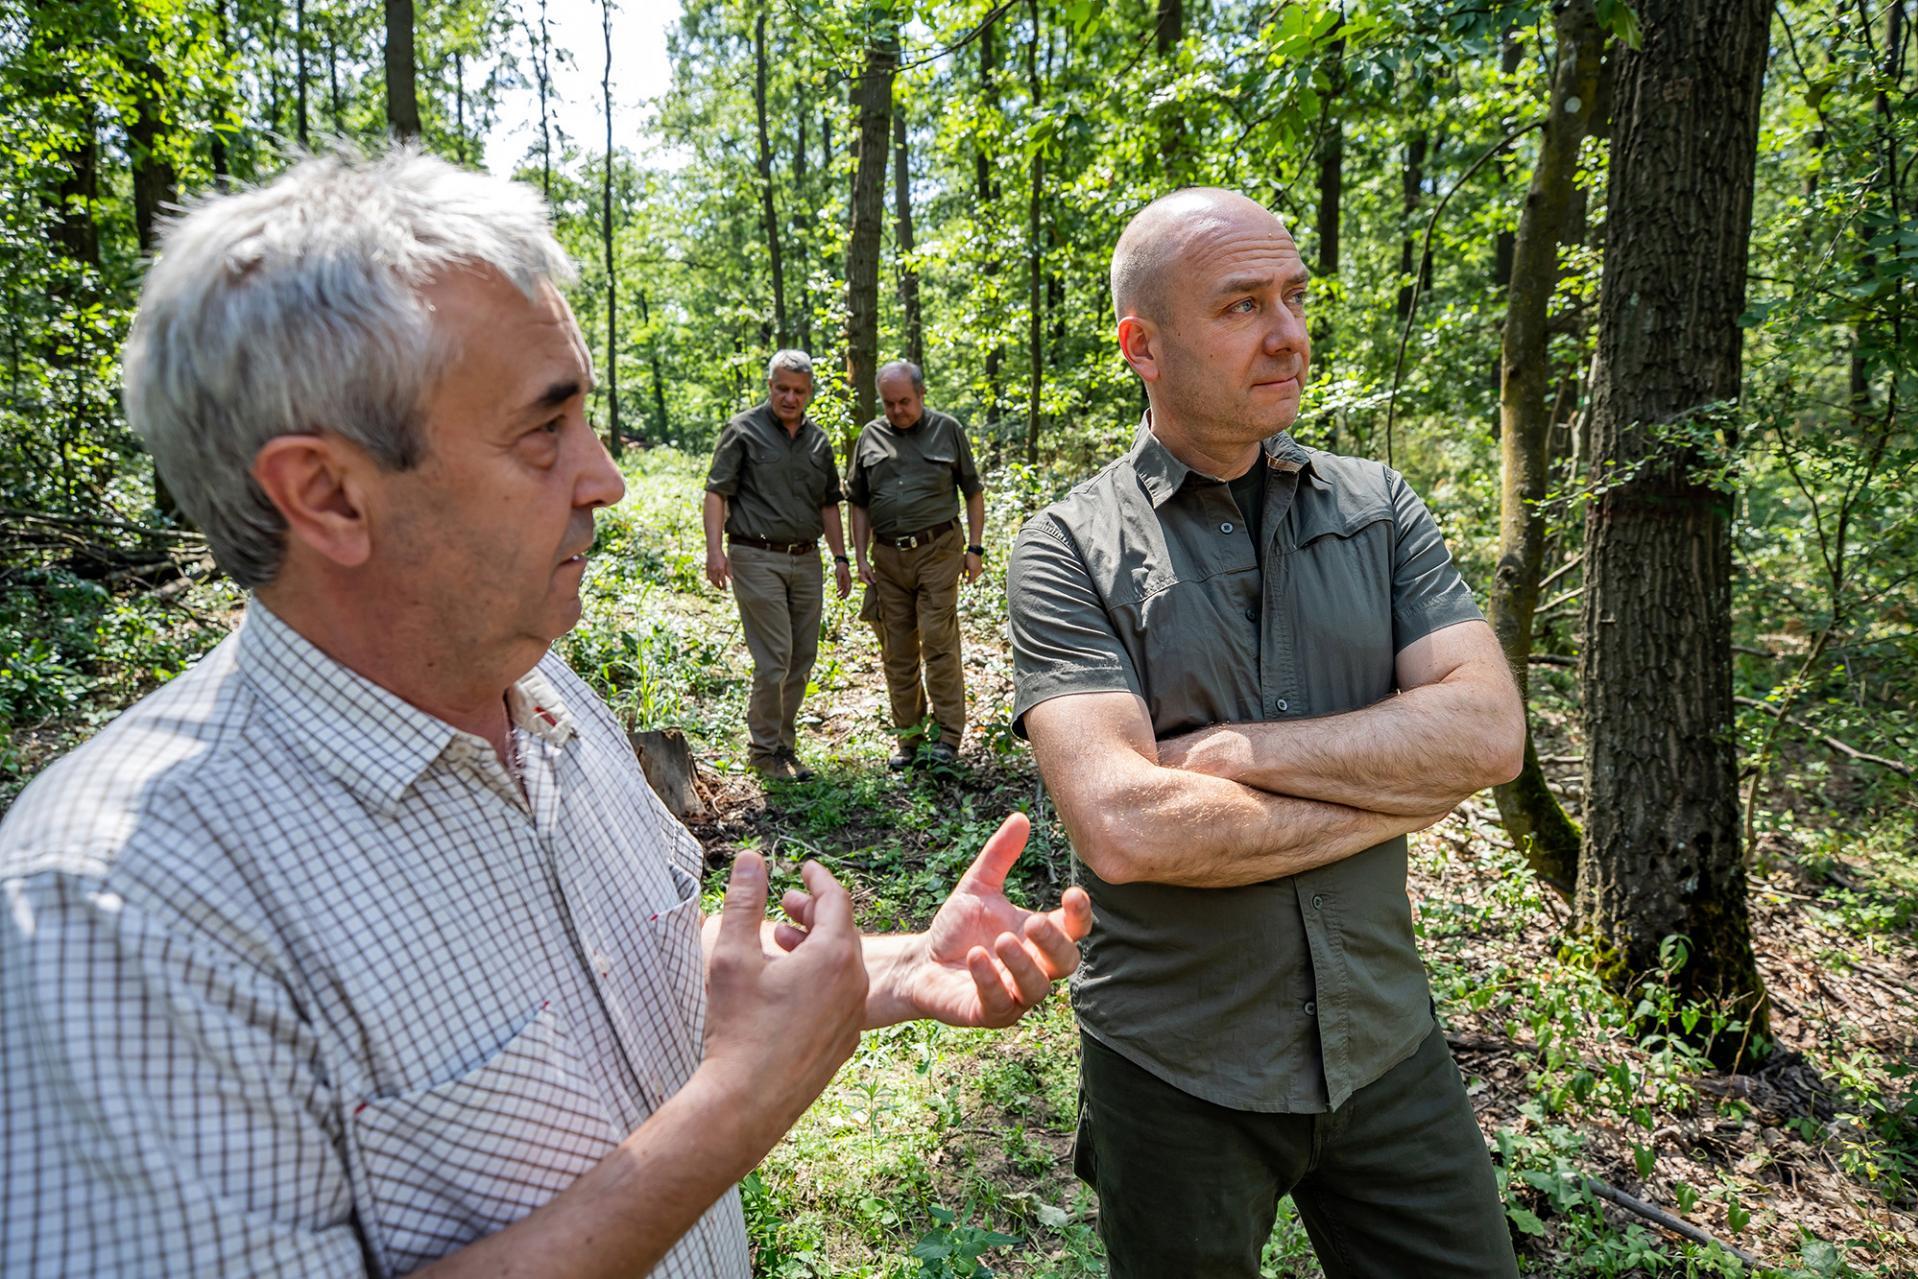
{"type": "Point", "coordinates": [1550, 659]}
{"type": "Point", "coordinates": [1658, 1216]}
{"type": "Point", "coordinates": [1849, 751]}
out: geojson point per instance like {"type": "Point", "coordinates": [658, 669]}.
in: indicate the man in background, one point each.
{"type": "Point", "coordinates": [907, 473]}
{"type": "Point", "coordinates": [772, 490]}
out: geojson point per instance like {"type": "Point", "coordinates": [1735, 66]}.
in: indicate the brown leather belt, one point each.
{"type": "Point", "coordinates": [924, 536]}
{"type": "Point", "coordinates": [784, 548]}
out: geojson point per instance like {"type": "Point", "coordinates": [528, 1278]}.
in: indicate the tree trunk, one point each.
{"type": "Point", "coordinates": [767, 210]}
{"type": "Point", "coordinates": [1532, 815]}
{"type": "Point", "coordinates": [1168, 28]}
{"type": "Point", "coordinates": [803, 194]}
{"type": "Point", "coordinates": [459, 107]}
{"type": "Point", "coordinates": [336, 107]}
{"type": "Point", "coordinates": [613, 441]}
{"type": "Point", "coordinates": [402, 95]}
{"type": "Point", "coordinates": [299, 72]}
{"type": "Point", "coordinates": [985, 197]}
{"type": "Point", "coordinates": [660, 424]}
{"type": "Point", "coordinates": [872, 101]}
{"type": "Point", "coordinates": [542, 43]}
{"type": "Point", "coordinates": [1413, 190]}
{"type": "Point", "coordinates": [1035, 257]}
{"type": "Point", "coordinates": [1661, 855]}
{"type": "Point", "coordinates": [222, 85]}
{"type": "Point", "coordinates": [908, 272]}
{"type": "Point", "coordinates": [1331, 191]}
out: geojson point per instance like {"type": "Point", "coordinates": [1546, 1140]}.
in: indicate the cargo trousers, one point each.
{"type": "Point", "coordinates": [1394, 1184]}
{"type": "Point", "coordinates": [917, 593]}
{"type": "Point", "coordinates": [780, 599]}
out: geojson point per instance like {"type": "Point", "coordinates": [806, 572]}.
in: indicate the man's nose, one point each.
{"type": "Point", "coordinates": [600, 484]}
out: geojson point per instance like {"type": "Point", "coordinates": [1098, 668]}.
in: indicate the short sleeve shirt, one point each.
{"type": "Point", "coordinates": [776, 482]}
{"type": "Point", "coordinates": [295, 979]}
{"type": "Point", "coordinates": [907, 479]}
{"type": "Point", "coordinates": [1284, 996]}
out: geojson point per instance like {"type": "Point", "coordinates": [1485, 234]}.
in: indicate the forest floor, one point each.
{"type": "Point", "coordinates": [938, 1151]}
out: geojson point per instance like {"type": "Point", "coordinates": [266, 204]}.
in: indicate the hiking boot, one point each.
{"type": "Point", "coordinates": [900, 759]}
{"type": "Point", "coordinates": [939, 753]}
{"type": "Point", "coordinates": [800, 773]}
{"type": "Point", "coordinates": [772, 768]}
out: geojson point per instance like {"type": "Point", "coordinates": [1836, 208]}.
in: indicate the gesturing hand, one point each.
{"type": "Point", "coordinates": [778, 1026]}
{"type": "Point", "coordinates": [984, 961]}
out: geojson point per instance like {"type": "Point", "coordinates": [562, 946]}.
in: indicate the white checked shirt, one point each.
{"type": "Point", "coordinates": [295, 980]}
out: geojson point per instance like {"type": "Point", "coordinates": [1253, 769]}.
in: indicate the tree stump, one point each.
{"type": "Point", "coordinates": [668, 763]}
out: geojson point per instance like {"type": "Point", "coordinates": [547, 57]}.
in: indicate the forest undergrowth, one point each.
{"type": "Point", "coordinates": [939, 1152]}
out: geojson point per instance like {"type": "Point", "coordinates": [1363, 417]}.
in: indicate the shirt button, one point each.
{"type": "Point", "coordinates": [1252, 615]}
{"type": "Point", "coordinates": [1282, 704]}
{"type": "Point", "coordinates": [1318, 902]}
{"type": "Point", "coordinates": [1226, 527]}
{"type": "Point", "coordinates": [1311, 1008]}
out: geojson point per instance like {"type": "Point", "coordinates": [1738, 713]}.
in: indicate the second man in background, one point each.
{"type": "Point", "coordinates": [902, 482]}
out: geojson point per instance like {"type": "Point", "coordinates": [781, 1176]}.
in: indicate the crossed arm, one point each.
{"type": "Point", "coordinates": [1242, 803]}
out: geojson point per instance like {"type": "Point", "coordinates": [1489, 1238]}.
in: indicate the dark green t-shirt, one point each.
{"type": "Point", "coordinates": [775, 482]}
{"type": "Point", "coordinates": [1284, 996]}
{"type": "Point", "coordinates": [907, 480]}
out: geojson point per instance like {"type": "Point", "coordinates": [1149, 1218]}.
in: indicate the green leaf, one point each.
{"type": "Point", "coordinates": [1526, 1220]}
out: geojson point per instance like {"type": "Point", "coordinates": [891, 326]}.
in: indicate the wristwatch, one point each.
{"type": "Point", "coordinates": [980, 551]}
{"type": "Point", "coordinates": [840, 559]}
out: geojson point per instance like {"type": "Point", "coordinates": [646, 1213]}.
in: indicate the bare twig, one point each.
{"type": "Point", "coordinates": [1658, 1216]}
{"type": "Point", "coordinates": [1849, 751]}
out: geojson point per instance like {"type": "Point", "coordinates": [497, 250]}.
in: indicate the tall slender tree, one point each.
{"type": "Point", "coordinates": [613, 441]}
{"type": "Point", "coordinates": [768, 211]}
{"type": "Point", "coordinates": [872, 102]}
{"type": "Point", "coordinates": [402, 77]}
{"type": "Point", "coordinates": [1661, 853]}
{"type": "Point", "coordinates": [1532, 814]}
{"type": "Point", "coordinates": [902, 226]}
{"type": "Point", "coordinates": [1035, 251]}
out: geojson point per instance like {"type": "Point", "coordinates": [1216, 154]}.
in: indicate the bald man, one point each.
{"type": "Point", "coordinates": [1248, 670]}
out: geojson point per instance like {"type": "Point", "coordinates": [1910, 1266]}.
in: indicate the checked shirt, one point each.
{"type": "Point", "coordinates": [295, 979]}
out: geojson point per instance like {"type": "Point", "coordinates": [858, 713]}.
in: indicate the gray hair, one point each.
{"type": "Point", "coordinates": [295, 307]}
{"type": "Point", "coordinates": [789, 361]}
{"type": "Point", "coordinates": [911, 370]}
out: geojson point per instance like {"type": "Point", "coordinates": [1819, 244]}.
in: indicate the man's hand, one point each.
{"type": "Point", "coordinates": [866, 574]}
{"type": "Point", "coordinates": [975, 565]}
{"type": "Point", "coordinates": [843, 576]}
{"type": "Point", "coordinates": [718, 569]}
{"type": "Point", "coordinates": [984, 961]}
{"type": "Point", "coordinates": [779, 1025]}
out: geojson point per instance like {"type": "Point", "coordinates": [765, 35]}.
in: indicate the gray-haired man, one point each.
{"type": "Point", "coordinates": [773, 489]}
{"type": "Point", "coordinates": [907, 472]}
{"type": "Point", "coordinates": [362, 946]}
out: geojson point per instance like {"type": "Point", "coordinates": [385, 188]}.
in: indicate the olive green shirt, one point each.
{"type": "Point", "coordinates": [906, 479]}
{"type": "Point", "coordinates": [774, 483]}
{"type": "Point", "coordinates": [1284, 996]}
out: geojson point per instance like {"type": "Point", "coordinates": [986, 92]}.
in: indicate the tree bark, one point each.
{"type": "Point", "coordinates": [1661, 854]}
{"type": "Point", "coordinates": [1412, 182]}
{"type": "Point", "coordinates": [803, 193]}
{"type": "Point", "coordinates": [768, 212]}
{"type": "Point", "coordinates": [872, 102]}
{"type": "Point", "coordinates": [1331, 193]}
{"type": "Point", "coordinates": [1531, 813]}
{"type": "Point", "coordinates": [1035, 255]}
{"type": "Point", "coordinates": [613, 441]}
{"type": "Point", "coordinates": [660, 424]}
{"type": "Point", "coordinates": [299, 72]}
{"type": "Point", "coordinates": [986, 196]}
{"type": "Point", "coordinates": [908, 272]}
{"type": "Point", "coordinates": [542, 42]}
{"type": "Point", "coordinates": [1168, 28]}
{"type": "Point", "coordinates": [402, 94]}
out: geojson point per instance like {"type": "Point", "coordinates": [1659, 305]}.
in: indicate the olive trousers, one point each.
{"type": "Point", "coordinates": [917, 594]}
{"type": "Point", "coordinates": [780, 599]}
{"type": "Point", "coordinates": [1394, 1184]}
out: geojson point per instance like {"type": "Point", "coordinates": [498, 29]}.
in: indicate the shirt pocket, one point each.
{"type": "Point", "coordinates": [681, 958]}
{"type": "Point", "coordinates": [1339, 583]}
{"type": "Point", "coordinates": [451, 1163]}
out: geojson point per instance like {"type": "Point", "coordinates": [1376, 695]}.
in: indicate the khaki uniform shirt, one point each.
{"type": "Point", "coordinates": [905, 479]}
{"type": "Point", "coordinates": [1284, 996]}
{"type": "Point", "coordinates": [774, 483]}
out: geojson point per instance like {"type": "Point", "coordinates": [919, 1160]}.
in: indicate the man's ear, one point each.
{"type": "Point", "coordinates": [314, 480]}
{"type": "Point", "coordinates": [1138, 343]}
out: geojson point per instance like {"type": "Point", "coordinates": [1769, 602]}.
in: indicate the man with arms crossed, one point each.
{"type": "Point", "coordinates": [774, 488]}
{"type": "Point", "coordinates": [902, 483]}
{"type": "Point", "coordinates": [362, 946]}
{"type": "Point", "coordinates": [1248, 669]}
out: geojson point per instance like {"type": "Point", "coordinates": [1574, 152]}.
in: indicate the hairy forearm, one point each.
{"type": "Point", "coordinates": [835, 533]}
{"type": "Point", "coordinates": [1144, 823]}
{"type": "Point", "coordinates": [976, 519]}
{"type": "Point", "coordinates": [713, 515]}
{"type": "Point", "coordinates": [1420, 752]}
{"type": "Point", "coordinates": [627, 1211]}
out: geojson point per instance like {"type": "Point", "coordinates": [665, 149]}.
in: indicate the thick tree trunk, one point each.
{"type": "Point", "coordinates": [1661, 855]}
{"type": "Point", "coordinates": [613, 441]}
{"type": "Point", "coordinates": [767, 210]}
{"type": "Point", "coordinates": [872, 101]}
{"type": "Point", "coordinates": [1035, 256]}
{"type": "Point", "coordinates": [402, 95]}
{"type": "Point", "coordinates": [902, 221]}
{"type": "Point", "coordinates": [1532, 816]}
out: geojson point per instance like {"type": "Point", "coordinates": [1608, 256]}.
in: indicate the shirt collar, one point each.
{"type": "Point", "coordinates": [1164, 474]}
{"type": "Point", "coordinates": [771, 422]}
{"type": "Point", "coordinates": [371, 740]}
